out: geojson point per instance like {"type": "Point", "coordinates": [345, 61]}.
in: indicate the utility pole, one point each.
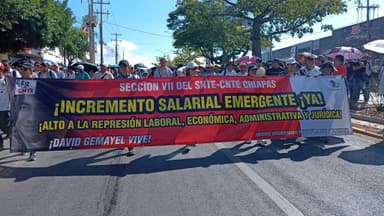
{"type": "Point", "coordinates": [91, 22]}
{"type": "Point", "coordinates": [101, 13]}
{"type": "Point", "coordinates": [116, 53]}
{"type": "Point", "coordinates": [369, 8]}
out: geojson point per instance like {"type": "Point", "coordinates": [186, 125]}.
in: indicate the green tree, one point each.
{"type": "Point", "coordinates": [271, 18]}
{"type": "Point", "coordinates": [261, 20]}
{"type": "Point", "coordinates": [74, 44]}
{"type": "Point", "coordinates": [198, 27]}
{"type": "Point", "coordinates": [33, 23]}
{"type": "Point", "coordinates": [184, 55]}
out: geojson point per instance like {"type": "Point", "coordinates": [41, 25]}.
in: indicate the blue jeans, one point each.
{"type": "Point", "coordinates": [367, 88]}
{"type": "Point", "coordinates": [357, 85]}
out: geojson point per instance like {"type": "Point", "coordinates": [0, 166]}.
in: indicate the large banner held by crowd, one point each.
{"type": "Point", "coordinates": [89, 114]}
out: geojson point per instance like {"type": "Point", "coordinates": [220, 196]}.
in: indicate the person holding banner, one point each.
{"type": "Point", "coordinates": [124, 73]}
{"type": "Point", "coordinates": [163, 70]}
{"type": "Point", "coordinates": [28, 113]}
{"type": "Point", "coordinates": [103, 73]}
{"type": "Point", "coordinates": [4, 106]}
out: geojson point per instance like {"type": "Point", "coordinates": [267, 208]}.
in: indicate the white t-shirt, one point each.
{"type": "Point", "coordinates": [101, 75]}
{"type": "Point", "coordinates": [229, 73]}
{"type": "Point", "coordinates": [311, 72]}
{"type": "Point", "coordinates": [4, 95]}
{"type": "Point", "coordinates": [242, 74]}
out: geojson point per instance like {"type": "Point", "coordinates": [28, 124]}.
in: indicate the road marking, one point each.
{"type": "Point", "coordinates": [275, 196]}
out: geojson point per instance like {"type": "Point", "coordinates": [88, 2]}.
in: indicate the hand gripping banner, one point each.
{"type": "Point", "coordinates": [89, 114]}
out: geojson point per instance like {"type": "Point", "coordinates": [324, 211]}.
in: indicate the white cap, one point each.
{"type": "Point", "coordinates": [81, 67]}
{"type": "Point", "coordinates": [291, 61]}
{"type": "Point", "coordinates": [191, 65]}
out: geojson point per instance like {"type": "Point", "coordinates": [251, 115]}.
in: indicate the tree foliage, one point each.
{"type": "Point", "coordinates": [184, 55]}
{"type": "Point", "coordinates": [254, 21]}
{"type": "Point", "coordinates": [199, 28]}
{"type": "Point", "coordinates": [33, 24]}
{"type": "Point", "coordinates": [74, 44]}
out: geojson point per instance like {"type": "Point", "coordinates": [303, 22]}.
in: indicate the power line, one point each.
{"type": "Point", "coordinates": [141, 31]}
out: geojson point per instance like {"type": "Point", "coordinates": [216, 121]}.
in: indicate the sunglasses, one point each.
{"type": "Point", "coordinates": [25, 69]}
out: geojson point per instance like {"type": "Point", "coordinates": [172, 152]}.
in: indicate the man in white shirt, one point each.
{"type": "Point", "coordinates": [243, 70]}
{"type": "Point", "coordinates": [59, 73]}
{"type": "Point", "coordinates": [229, 70]}
{"type": "Point", "coordinates": [4, 106]}
{"type": "Point", "coordinates": [103, 73]}
{"type": "Point", "coordinates": [310, 69]}
{"type": "Point", "coordinates": [46, 72]}
{"type": "Point", "coordinates": [163, 70]}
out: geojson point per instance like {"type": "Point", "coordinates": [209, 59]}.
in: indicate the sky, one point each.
{"type": "Point", "coordinates": [145, 36]}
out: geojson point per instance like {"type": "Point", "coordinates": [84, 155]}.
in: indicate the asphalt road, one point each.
{"type": "Point", "coordinates": [344, 177]}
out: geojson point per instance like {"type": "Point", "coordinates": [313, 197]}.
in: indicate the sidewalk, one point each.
{"type": "Point", "coordinates": [368, 120]}
{"type": "Point", "coordinates": [368, 128]}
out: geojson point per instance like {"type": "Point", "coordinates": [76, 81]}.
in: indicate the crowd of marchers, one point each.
{"type": "Point", "coordinates": [358, 75]}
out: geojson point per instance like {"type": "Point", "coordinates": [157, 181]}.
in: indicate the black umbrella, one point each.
{"type": "Point", "coordinates": [87, 66]}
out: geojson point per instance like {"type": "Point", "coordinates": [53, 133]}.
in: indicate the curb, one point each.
{"type": "Point", "coordinates": [368, 119]}
{"type": "Point", "coordinates": [367, 133]}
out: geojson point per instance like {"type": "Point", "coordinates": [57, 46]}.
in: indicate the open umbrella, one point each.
{"type": "Point", "coordinates": [375, 46]}
{"type": "Point", "coordinates": [87, 66]}
{"type": "Point", "coordinates": [247, 60]}
{"type": "Point", "coordinates": [347, 52]}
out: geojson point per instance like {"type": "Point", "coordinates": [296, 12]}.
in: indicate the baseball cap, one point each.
{"type": "Point", "coordinates": [191, 65]}
{"type": "Point", "coordinates": [328, 65]}
{"type": "Point", "coordinates": [123, 63]}
{"type": "Point", "coordinates": [27, 65]}
{"type": "Point", "coordinates": [253, 67]}
{"type": "Point", "coordinates": [292, 61]}
{"type": "Point", "coordinates": [80, 67]}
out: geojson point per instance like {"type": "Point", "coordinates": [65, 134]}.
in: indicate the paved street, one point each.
{"type": "Point", "coordinates": [344, 177]}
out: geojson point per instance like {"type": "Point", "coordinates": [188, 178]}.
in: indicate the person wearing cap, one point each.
{"type": "Point", "coordinates": [10, 72]}
{"type": "Point", "coordinates": [319, 60]}
{"type": "Point", "coordinates": [103, 73]}
{"type": "Point", "coordinates": [59, 73]}
{"type": "Point", "coordinates": [192, 69]}
{"type": "Point", "coordinates": [327, 69]}
{"type": "Point", "coordinates": [36, 67]}
{"type": "Point", "coordinates": [230, 70]}
{"type": "Point", "coordinates": [261, 71]}
{"type": "Point", "coordinates": [46, 72]}
{"type": "Point", "coordinates": [81, 74]}
{"type": "Point", "coordinates": [4, 106]}
{"type": "Point", "coordinates": [310, 69]}
{"type": "Point", "coordinates": [254, 71]}
{"type": "Point", "coordinates": [243, 70]}
{"type": "Point", "coordinates": [27, 71]}
{"type": "Point", "coordinates": [142, 71]}
{"type": "Point", "coordinates": [70, 73]}
{"type": "Point", "coordinates": [293, 67]}
{"type": "Point", "coordinates": [126, 71]}
{"type": "Point", "coordinates": [209, 70]}
{"type": "Point", "coordinates": [276, 69]}
{"type": "Point", "coordinates": [163, 70]}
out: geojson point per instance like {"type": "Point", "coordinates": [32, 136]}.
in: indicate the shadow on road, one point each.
{"type": "Point", "coordinates": [159, 163]}
{"type": "Point", "coordinates": [372, 155]}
